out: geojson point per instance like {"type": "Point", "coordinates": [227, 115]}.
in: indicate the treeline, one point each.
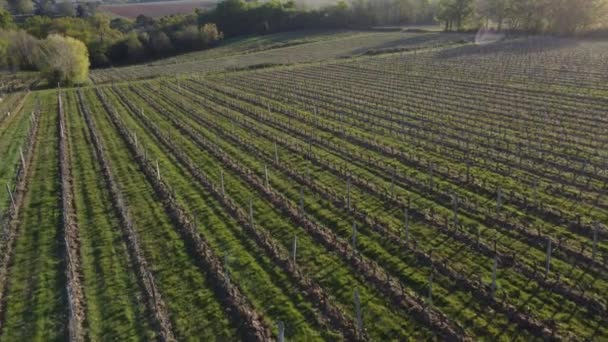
{"type": "Point", "coordinates": [61, 60]}
{"type": "Point", "coordinates": [238, 17]}
{"type": "Point", "coordinates": [120, 41]}
{"type": "Point", "coordinates": [107, 41]}
{"type": "Point", "coordinates": [51, 8]}
{"type": "Point", "coordinates": [530, 16]}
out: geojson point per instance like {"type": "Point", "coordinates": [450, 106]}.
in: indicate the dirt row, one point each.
{"type": "Point", "coordinates": [74, 274]}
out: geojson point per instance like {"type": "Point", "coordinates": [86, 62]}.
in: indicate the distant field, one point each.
{"type": "Point", "coordinates": [281, 49]}
{"type": "Point", "coordinates": [156, 9]}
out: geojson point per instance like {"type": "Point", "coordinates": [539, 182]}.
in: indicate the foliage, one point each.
{"type": "Point", "coordinates": [20, 50]}
{"type": "Point", "coordinates": [455, 13]}
{"type": "Point", "coordinates": [21, 6]}
{"type": "Point", "coordinates": [160, 43]}
{"type": "Point", "coordinates": [6, 20]}
{"type": "Point", "coordinates": [211, 34]}
{"type": "Point", "coordinates": [120, 41]}
{"type": "Point", "coordinates": [66, 9]}
{"type": "Point", "coordinates": [64, 60]}
{"type": "Point", "coordinates": [535, 16]}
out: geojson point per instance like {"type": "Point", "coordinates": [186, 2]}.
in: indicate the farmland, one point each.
{"type": "Point", "coordinates": [365, 186]}
{"type": "Point", "coordinates": [279, 49]}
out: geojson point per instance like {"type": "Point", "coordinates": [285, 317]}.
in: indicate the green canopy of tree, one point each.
{"type": "Point", "coordinates": [6, 20]}
{"type": "Point", "coordinates": [64, 60]}
{"type": "Point", "coordinates": [21, 50]}
{"type": "Point", "coordinates": [21, 6]}
{"type": "Point", "coordinates": [66, 9]}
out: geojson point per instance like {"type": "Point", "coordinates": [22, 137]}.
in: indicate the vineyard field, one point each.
{"type": "Point", "coordinates": [279, 49]}
{"type": "Point", "coordinates": [423, 188]}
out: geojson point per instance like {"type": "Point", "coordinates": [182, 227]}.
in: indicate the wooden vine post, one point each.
{"type": "Point", "coordinates": [594, 248]}
{"type": "Point", "coordinates": [281, 337]}
{"type": "Point", "coordinates": [493, 287]}
{"type": "Point", "coordinates": [354, 237]}
{"type": "Point", "coordinates": [222, 188]}
{"type": "Point", "coordinates": [406, 219]}
{"type": "Point", "coordinates": [294, 249]}
{"type": "Point", "coordinates": [157, 170]}
{"type": "Point", "coordinates": [548, 265]}
{"type": "Point", "coordinates": [10, 193]}
{"type": "Point", "coordinates": [348, 192]}
{"type": "Point", "coordinates": [276, 153]}
{"type": "Point", "coordinates": [358, 312]}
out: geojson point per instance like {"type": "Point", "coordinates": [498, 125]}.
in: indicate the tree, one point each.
{"type": "Point", "coordinates": [101, 24]}
{"type": "Point", "coordinates": [445, 14]}
{"type": "Point", "coordinates": [493, 10]}
{"type": "Point", "coordinates": [38, 26]}
{"type": "Point", "coordinates": [121, 24]}
{"type": "Point", "coordinates": [98, 53]}
{"type": "Point", "coordinates": [6, 20]}
{"type": "Point", "coordinates": [87, 9]}
{"type": "Point", "coordinates": [21, 6]}
{"type": "Point", "coordinates": [210, 34]}
{"type": "Point", "coordinates": [44, 7]}
{"type": "Point", "coordinates": [64, 60]}
{"type": "Point", "coordinates": [529, 15]}
{"type": "Point", "coordinates": [362, 13]}
{"type": "Point", "coordinates": [160, 43]}
{"type": "Point", "coordinates": [462, 10]}
{"type": "Point", "coordinates": [134, 48]}
{"type": "Point", "coordinates": [22, 50]}
{"type": "Point", "coordinates": [455, 12]}
{"type": "Point", "coordinates": [396, 12]}
{"type": "Point", "coordinates": [143, 22]}
{"type": "Point", "coordinates": [4, 53]}
{"type": "Point", "coordinates": [188, 38]}
{"type": "Point", "coordinates": [571, 16]}
{"type": "Point", "coordinates": [66, 9]}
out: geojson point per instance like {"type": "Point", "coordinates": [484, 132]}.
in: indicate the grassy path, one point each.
{"type": "Point", "coordinates": [114, 308]}
{"type": "Point", "coordinates": [36, 303]}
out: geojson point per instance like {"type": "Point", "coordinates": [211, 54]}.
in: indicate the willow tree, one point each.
{"type": "Point", "coordinates": [64, 60]}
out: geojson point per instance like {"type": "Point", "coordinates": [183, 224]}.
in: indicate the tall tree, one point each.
{"type": "Point", "coordinates": [6, 20]}
{"type": "Point", "coordinates": [463, 9]}
{"type": "Point", "coordinates": [570, 16]}
{"type": "Point", "coordinates": [21, 6]}
{"type": "Point", "coordinates": [496, 11]}
{"type": "Point", "coordinates": [22, 49]}
{"type": "Point", "coordinates": [455, 13]}
{"type": "Point", "coordinates": [64, 60]}
{"type": "Point", "coordinates": [66, 9]}
{"type": "Point", "coordinates": [529, 15]}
